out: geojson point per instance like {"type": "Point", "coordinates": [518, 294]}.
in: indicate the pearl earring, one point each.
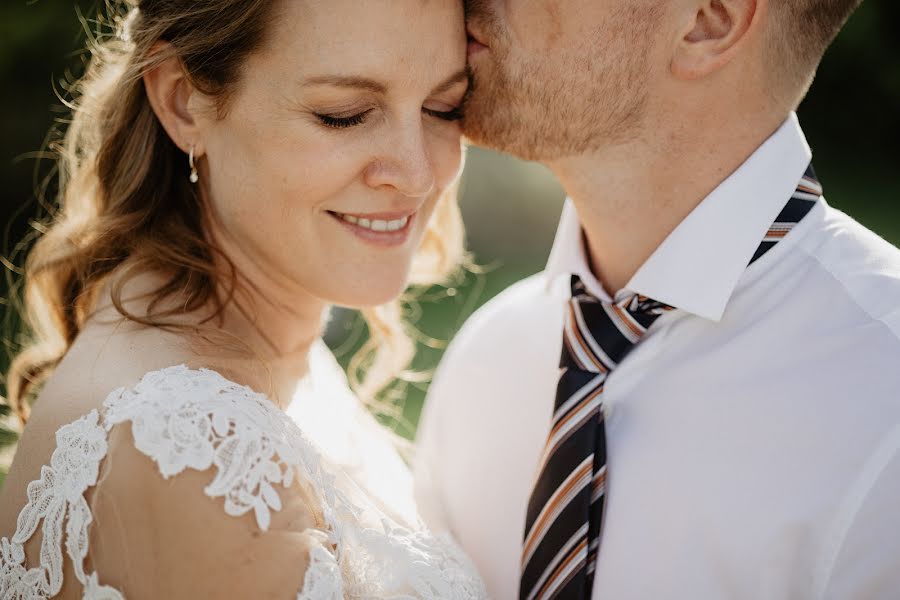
{"type": "Point", "coordinates": [194, 176]}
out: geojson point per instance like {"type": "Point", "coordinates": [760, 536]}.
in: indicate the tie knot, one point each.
{"type": "Point", "coordinates": [599, 334]}
{"type": "Point", "coordinates": [637, 305]}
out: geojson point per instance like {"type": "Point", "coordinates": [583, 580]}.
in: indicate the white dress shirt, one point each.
{"type": "Point", "coordinates": [753, 436]}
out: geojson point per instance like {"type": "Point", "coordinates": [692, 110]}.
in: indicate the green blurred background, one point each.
{"type": "Point", "coordinates": [851, 117]}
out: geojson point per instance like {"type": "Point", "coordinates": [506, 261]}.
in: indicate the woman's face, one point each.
{"type": "Point", "coordinates": [337, 144]}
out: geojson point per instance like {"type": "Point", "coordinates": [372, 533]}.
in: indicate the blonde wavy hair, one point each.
{"type": "Point", "coordinates": [124, 199]}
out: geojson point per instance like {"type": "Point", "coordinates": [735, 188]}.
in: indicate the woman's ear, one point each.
{"type": "Point", "coordinates": [174, 100]}
{"type": "Point", "coordinates": [714, 32]}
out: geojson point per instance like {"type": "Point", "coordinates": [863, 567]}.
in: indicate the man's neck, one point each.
{"type": "Point", "coordinates": [631, 196]}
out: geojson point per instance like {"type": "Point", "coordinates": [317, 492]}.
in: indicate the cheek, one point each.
{"type": "Point", "coordinates": [278, 173]}
{"type": "Point", "coordinates": [447, 158]}
{"type": "Point", "coordinates": [550, 24]}
{"type": "Point", "coordinates": [270, 184]}
{"type": "Point", "coordinates": [290, 163]}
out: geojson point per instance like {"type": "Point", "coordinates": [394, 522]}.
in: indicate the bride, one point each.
{"type": "Point", "coordinates": [231, 169]}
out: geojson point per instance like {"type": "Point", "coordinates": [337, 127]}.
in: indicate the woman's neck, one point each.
{"type": "Point", "coordinates": [257, 338]}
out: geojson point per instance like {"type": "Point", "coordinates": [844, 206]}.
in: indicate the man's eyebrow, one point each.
{"type": "Point", "coordinates": [349, 81]}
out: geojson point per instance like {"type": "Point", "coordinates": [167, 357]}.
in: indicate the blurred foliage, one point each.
{"type": "Point", "coordinates": [851, 118]}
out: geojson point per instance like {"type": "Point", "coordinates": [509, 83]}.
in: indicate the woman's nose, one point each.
{"type": "Point", "coordinates": [405, 164]}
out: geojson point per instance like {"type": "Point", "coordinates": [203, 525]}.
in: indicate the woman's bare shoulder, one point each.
{"type": "Point", "coordinates": [178, 494]}
{"type": "Point", "coordinates": [102, 359]}
{"type": "Point", "coordinates": [189, 522]}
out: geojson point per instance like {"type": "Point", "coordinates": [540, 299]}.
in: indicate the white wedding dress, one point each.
{"type": "Point", "coordinates": [248, 453]}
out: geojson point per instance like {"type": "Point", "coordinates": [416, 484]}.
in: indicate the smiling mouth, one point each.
{"type": "Point", "coordinates": [385, 224]}
{"type": "Point", "coordinates": [372, 224]}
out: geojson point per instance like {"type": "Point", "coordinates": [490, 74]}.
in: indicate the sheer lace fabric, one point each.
{"type": "Point", "coordinates": [248, 452]}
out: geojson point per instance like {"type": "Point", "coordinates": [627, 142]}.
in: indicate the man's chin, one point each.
{"type": "Point", "coordinates": [474, 133]}
{"type": "Point", "coordinates": [505, 143]}
{"type": "Point", "coordinates": [495, 118]}
{"type": "Point", "coordinates": [486, 123]}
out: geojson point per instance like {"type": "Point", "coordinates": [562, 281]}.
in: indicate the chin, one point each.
{"type": "Point", "coordinates": [368, 292]}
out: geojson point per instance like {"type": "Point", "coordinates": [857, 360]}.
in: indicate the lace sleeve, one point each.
{"type": "Point", "coordinates": [227, 505]}
{"type": "Point", "coordinates": [191, 486]}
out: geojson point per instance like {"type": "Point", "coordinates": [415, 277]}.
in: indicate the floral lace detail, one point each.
{"type": "Point", "coordinates": [323, 579]}
{"type": "Point", "coordinates": [57, 496]}
{"type": "Point", "coordinates": [395, 557]}
{"type": "Point", "coordinates": [197, 419]}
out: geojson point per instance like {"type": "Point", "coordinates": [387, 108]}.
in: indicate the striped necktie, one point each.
{"type": "Point", "coordinates": [562, 528]}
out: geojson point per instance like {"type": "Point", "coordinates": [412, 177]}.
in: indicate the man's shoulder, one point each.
{"type": "Point", "coordinates": [521, 295]}
{"type": "Point", "coordinates": [865, 266]}
{"type": "Point", "coordinates": [517, 313]}
{"type": "Point", "coordinates": [506, 337]}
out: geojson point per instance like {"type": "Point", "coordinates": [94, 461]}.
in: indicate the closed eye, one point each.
{"type": "Point", "coordinates": [450, 115]}
{"type": "Point", "coordinates": [336, 122]}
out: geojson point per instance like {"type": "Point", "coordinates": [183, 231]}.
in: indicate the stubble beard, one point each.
{"type": "Point", "coordinates": [548, 107]}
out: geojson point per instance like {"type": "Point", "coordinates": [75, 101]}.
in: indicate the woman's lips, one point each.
{"type": "Point", "coordinates": [383, 229]}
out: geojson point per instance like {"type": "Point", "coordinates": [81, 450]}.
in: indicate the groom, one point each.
{"type": "Point", "coordinates": [699, 398]}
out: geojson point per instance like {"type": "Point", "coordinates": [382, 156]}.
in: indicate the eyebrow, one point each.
{"type": "Point", "coordinates": [364, 83]}
{"type": "Point", "coordinates": [348, 82]}
{"type": "Point", "coordinates": [455, 79]}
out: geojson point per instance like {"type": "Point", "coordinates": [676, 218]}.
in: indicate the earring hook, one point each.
{"type": "Point", "coordinates": [194, 175]}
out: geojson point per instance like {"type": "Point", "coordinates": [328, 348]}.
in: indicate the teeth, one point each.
{"type": "Point", "coordinates": [376, 224]}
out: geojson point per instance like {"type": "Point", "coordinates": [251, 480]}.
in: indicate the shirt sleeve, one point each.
{"type": "Point", "coordinates": [438, 427]}
{"type": "Point", "coordinates": [490, 342]}
{"type": "Point", "coordinates": [866, 541]}
{"type": "Point", "coordinates": [156, 537]}
{"type": "Point", "coordinates": [427, 467]}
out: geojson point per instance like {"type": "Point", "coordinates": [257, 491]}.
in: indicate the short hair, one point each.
{"type": "Point", "coordinates": [803, 31]}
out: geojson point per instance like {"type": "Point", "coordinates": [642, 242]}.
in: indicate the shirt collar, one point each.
{"type": "Point", "coordinates": [699, 264]}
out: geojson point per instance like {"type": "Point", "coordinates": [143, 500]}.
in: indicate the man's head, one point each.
{"type": "Point", "coordinates": [558, 78]}
{"type": "Point", "coordinates": [799, 33]}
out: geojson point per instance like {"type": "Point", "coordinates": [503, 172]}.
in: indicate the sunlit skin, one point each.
{"type": "Point", "coordinates": [555, 78]}
{"type": "Point", "coordinates": [350, 108]}
{"type": "Point", "coordinates": [640, 108]}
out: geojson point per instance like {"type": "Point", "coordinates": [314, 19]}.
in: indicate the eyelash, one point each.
{"type": "Point", "coordinates": [359, 119]}
{"type": "Point", "coordinates": [343, 122]}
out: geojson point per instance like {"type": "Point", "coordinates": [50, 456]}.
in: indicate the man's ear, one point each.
{"type": "Point", "coordinates": [714, 32]}
{"type": "Point", "coordinates": [175, 101]}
